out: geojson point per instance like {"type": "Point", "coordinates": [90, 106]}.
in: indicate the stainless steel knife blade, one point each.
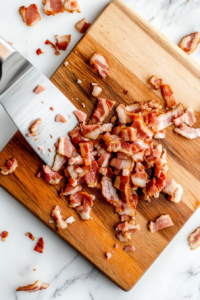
{"type": "Point", "coordinates": [18, 79]}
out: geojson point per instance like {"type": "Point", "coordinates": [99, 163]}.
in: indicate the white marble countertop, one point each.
{"type": "Point", "coordinates": [176, 273]}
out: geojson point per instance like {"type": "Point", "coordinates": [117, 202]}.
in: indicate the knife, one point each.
{"type": "Point", "coordinates": [18, 79]}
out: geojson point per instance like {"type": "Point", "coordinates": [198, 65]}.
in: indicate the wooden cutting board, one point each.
{"type": "Point", "coordinates": [135, 50]}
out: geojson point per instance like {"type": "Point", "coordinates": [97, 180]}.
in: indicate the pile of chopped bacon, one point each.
{"type": "Point", "coordinates": [11, 166]}
{"type": "Point", "coordinates": [37, 286]}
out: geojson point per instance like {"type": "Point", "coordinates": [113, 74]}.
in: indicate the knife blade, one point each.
{"type": "Point", "coordinates": [18, 79]}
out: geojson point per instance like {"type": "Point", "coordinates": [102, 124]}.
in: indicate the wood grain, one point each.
{"type": "Point", "coordinates": [135, 50]}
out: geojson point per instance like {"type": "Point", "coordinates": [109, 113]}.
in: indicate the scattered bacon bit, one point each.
{"type": "Point", "coordinates": [52, 108]}
{"type": "Point", "coordinates": [41, 149]}
{"type": "Point", "coordinates": [62, 42]}
{"type": "Point", "coordinates": [82, 25]}
{"type": "Point", "coordinates": [39, 51]}
{"type": "Point", "coordinates": [50, 176]}
{"type": "Point", "coordinates": [70, 220]}
{"type": "Point", "coordinates": [83, 105]}
{"type": "Point", "coordinates": [51, 136]}
{"type": "Point", "coordinates": [51, 149]}
{"type": "Point", "coordinates": [71, 6]}
{"type": "Point", "coordinates": [60, 118]}
{"type": "Point", "coordinates": [30, 15]}
{"type": "Point", "coordinates": [116, 246]}
{"type": "Point", "coordinates": [188, 132]}
{"type": "Point", "coordinates": [37, 286]}
{"type": "Point", "coordinates": [167, 94]}
{"type": "Point", "coordinates": [81, 116]}
{"type": "Point", "coordinates": [99, 62]}
{"type": "Point", "coordinates": [30, 236]}
{"type": "Point", "coordinates": [108, 255]}
{"type": "Point", "coordinates": [39, 246]}
{"type": "Point", "coordinates": [57, 52]}
{"type": "Point", "coordinates": [34, 269]}
{"type": "Point", "coordinates": [84, 211]}
{"type": "Point", "coordinates": [60, 223]}
{"type": "Point", "coordinates": [124, 236]}
{"type": "Point", "coordinates": [39, 89]}
{"type": "Point", "coordinates": [194, 239]}
{"type": "Point", "coordinates": [125, 92]}
{"type": "Point", "coordinates": [160, 223]}
{"type": "Point", "coordinates": [4, 235]}
{"type": "Point", "coordinates": [52, 7]}
{"type": "Point", "coordinates": [96, 91]}
{"type": "Point", "coordinates": [155, 82]}
{"type": "Point", "coordinates": [33, 128]}
{"type": "Point", "coordinates": [190, 42]}
{"type": "Point", "coordinates": [11, 166]}
{"type": "Point", "coordinates": [129, 248]}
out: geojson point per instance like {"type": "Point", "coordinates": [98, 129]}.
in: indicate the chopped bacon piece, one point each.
{"type": "Point", "coordinates": [60, 118]}
{"type": "Point", "coordinates": [65, 147]}
{"type": "Point", "coordinates": [152, 189]}
{"type": "Point", "coordinates": [99, 62]}
{"type": "Point", "coordinates": [190, 117]}
{"type": "Point", "coordinates": [103, 171]}
{"type": "Point", "coordinates": [129, 248]}
{"type": "Point", "coordinates": [69, 190]}
{"type": "Point", "coordinates": [155, 82]}
{"type": "Point", "coordinates": [41, 149]}
{"type": "Point", "coordinates": [128, 134]}
{"type": "Point", "coordinates": [81, 116]}
{"type": "Point", "coordinates": [116, 246]}
{"type": "Point", "coordinates": [11, 166]}
{"type": "Point", "coordinates": [109, 192]}
{"type": "Point", "coordinates": [142, 131]}
{"type": "Point", "coordinates": [124, 236]}
{"type": "Point", "coordinates": [62, 42]}
{"type": "Point", "coordinates": [103, 160]}
{"type": "Point", "coordinates": [85, 153]}
{"type": "Point", "coordinates": [82, 25]}
{"type": "Point", "coordinates": [39, 89]}
{"type": "Point", "coordinates": [131, 226]}
{"type": "Point", "coordinates": [71, 6]}
{"type": "Point", "coordinates": [52, 108]}
{"type": "Point", "coordinates": [160, 223]}
{"type": "Point", "coordinates": [157, 151]}
{"type": "Point", "coordinates": [80, 198]}
{"type": "Point", "coordinates": [57, 52]}
{"type": "Point", "coordinates": [139, 179]}
{"type": "Point", "coordinates": [166, 119]}
{"type": "Point", "coordinates": [37, 286]}
{"type": "Point", "coordinates": [139, 167]}
{"type": "Point", "coordinates": [96, 91]}
{"type": "Point", "coordinates": [39, 246]}
{"type": "Point", "coordinates": [129, 200]}
{"type": "Point", "coordinates": [167, 94]}
{"type": "Point", "coordinates": [84, 211]}
{"type": "Point", "coordinates": [60, 223]}
{"type": "Point", "coordinates": [75, 182]}
{"type": "Point", "coordinates": [33, 128]}
{"type": "Point", "coordinates": [122, 163]}
{"type": "Point", "coordinates": [188, 132]}
{"type": "Point", "coordinates": [30, 15]}
{"type": "Point", "coordinates": [125, 92]}
{"type": "Point", "coordinates": [50, 176]}
{"type": "Point", "coordinates": [93, 131]}
{"type": "Point", "coordinates": [103, 108]}
{"type": "Point", "coordinates": [122, 114]}
{"type": "Point", "coordinates": [108, 255]}
{"type": "Point", "coordinates": [160, 135]}
{"type": "Point", "coordinates": [52, 7]}
{"type": "Point", "coordinates": [190, 42]}
{"type": "Point", "coordinates": [4, 235]}
{"type": "Point", "coordinates": [59, 161]}
{"type": "Point", "coordinates": [122, 155]}
{"type": "Point", "coordinates": [30, 236]}
{"type": "Point", "coordinates": [91, 178]}
{"type": "Point", "coordinates": [39, 51]}
{"type": "Point", "coordinates": [194, 239]}
{"type": "Point", "coordinates": [76, 135]}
